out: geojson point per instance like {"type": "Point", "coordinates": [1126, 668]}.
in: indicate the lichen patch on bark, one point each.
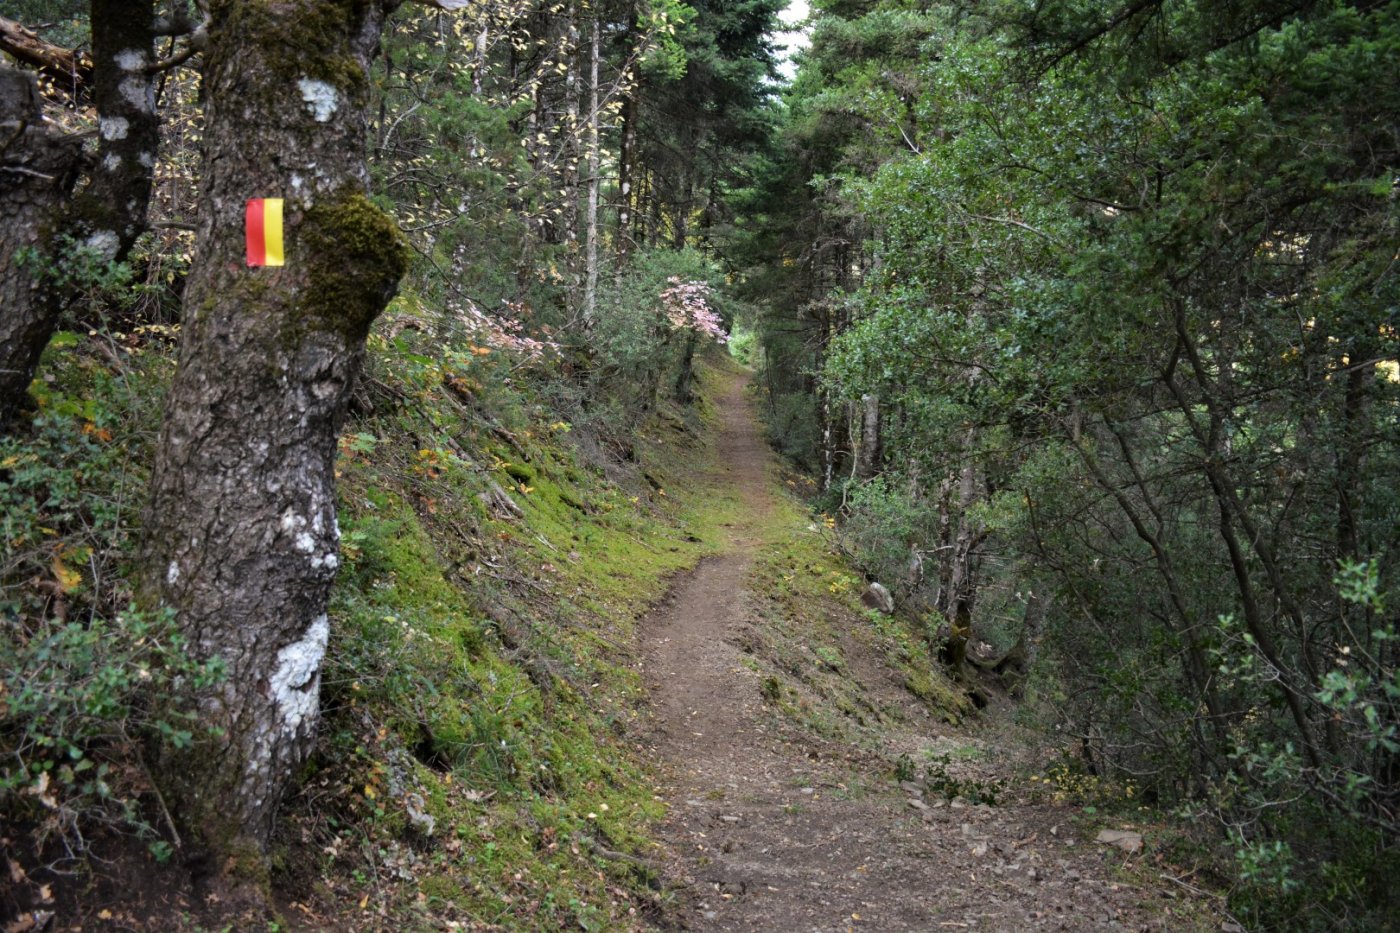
{"type": "Point", "coordinates": [321, 99]}
{"type": "Point", "coordinates": [293, 684]}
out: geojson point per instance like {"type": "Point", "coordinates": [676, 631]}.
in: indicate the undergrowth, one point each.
{"type": "Point", "coordinates": [499, 544]}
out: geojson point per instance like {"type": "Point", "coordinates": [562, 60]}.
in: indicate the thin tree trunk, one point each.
{"type": "Point", "coordinates": [570, 152]}
{"type": "Point", "coordinates": [868, 455]}
{"type": "Point", "coordinates": [479, 63]}
{"type": "Point", "coordinates": [37, 170]}
{"type": "Point", "coordinates": [590, 286]}
{"type": "Point", "coordinates": [962, 571]}
{"type": "Point", "coordinates": [686, 374]}
{"type": "Point", "coordinates": [240, 534]}
{"type": "Point", "coordinates": [626, 165]}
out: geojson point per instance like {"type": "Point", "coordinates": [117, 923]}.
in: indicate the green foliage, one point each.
{"type": "Point", "coordinates": [77, 699]}
{"type": "Point", "coordinates": [1130, 317]}
{"type": "Point", "coordinates": [743, 345]}
{"type": "Point", "coordinates": [974, 790]}
{"type": "Point", "coordinates": [885, 528]}
{"type": "Point", "coordinates": [86, 681]}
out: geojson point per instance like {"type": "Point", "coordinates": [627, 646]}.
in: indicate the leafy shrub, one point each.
{"type": "Point", "coordinates": [85, 679]}
{"type": "Point", "coordinates": [885, 527]}
{"type": "Point", "coordinates": [76, 701]}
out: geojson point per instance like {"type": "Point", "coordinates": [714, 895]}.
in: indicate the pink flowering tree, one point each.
{"type": "Point", "coordinates": [687, 306]}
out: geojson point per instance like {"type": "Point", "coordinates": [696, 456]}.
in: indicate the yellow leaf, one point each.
{"type": "Point", "coordinates": [369, 792]}
{"type": "Point", "coordinates": [68, 578]}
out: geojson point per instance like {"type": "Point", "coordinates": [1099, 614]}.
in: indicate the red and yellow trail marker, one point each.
{"type": "Point", "coordinates": [264, 231]}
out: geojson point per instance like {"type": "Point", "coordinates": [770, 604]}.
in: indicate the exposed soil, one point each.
{"type": "Point", "coordinates": [773, 828]}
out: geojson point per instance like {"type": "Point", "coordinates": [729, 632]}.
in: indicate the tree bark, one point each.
{"type": "Point", "coordinates": [110, 213]}
{"type": "Point", "coordinates": [37, 170]}
{"type": "Point", "coordinates": [240, 534]}
{"type": "Point", "coordinates": [570, 148]}
{"type": "Point", "coordinates": [626, 162]}
{"type": "Point", "coordinates": [868, 454]}
{"type": "Point", "coordinates": [590, 283]}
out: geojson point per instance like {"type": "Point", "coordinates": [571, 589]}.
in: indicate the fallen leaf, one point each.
{"type": "Point", "coordinates": [68, 578]}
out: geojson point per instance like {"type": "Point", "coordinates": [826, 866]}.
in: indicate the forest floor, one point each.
{"type": "Point", "coordinates": [776, 826]}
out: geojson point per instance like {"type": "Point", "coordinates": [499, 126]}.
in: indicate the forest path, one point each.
{"type": "Point", "coordinates": [773, 828]}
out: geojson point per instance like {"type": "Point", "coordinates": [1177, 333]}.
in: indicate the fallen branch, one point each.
{"type": "Point", "coordinates": [70, 70]}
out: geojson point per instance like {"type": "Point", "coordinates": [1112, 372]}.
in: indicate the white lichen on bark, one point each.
{"type": "Point", "coordinates": [114, 127]}
{"type": "Point", "coordinates": [293, 685]}
{"type": "Point", "coordinates": [321, 98]}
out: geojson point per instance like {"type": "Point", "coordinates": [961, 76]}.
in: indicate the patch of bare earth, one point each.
{"type": "Point", "coordinates": [772, 828]}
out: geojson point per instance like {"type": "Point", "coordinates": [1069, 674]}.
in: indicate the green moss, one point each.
{"type": "Point", "coordinates": [314, 43]}
{"type": "Point", "coordinates": [355, 256]}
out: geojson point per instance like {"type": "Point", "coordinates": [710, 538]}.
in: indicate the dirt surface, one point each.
{"type": "Point", "coordinates": [773, 828]}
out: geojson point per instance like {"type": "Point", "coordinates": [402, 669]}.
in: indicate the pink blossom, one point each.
{"type": "Point", "coordinates": [504, 332]}
{"type": "Point", "coordinates": [687, 307]}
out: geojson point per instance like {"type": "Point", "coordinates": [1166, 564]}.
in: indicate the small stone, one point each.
{"type": "Point", "coordinates": [1125, 839]}
{"type": "Point", "coordinates": [730, 819]}
{"type": "Point", "coordinates": [878, 598]}
{"type": "Point", "coordinates": [918, 804]}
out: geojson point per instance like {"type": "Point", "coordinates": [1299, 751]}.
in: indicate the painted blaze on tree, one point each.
{"type": "Point", "coordinates": [240, 534]}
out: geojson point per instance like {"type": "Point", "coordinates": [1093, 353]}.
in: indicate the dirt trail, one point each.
{"type": "Point", "coordinates": [771, 828]}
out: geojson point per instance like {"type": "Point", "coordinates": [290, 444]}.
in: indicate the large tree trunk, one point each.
{"type": "Point", "coordinates": [240, 535]}
{"type": "Point", "coordinates": [37, 171]}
